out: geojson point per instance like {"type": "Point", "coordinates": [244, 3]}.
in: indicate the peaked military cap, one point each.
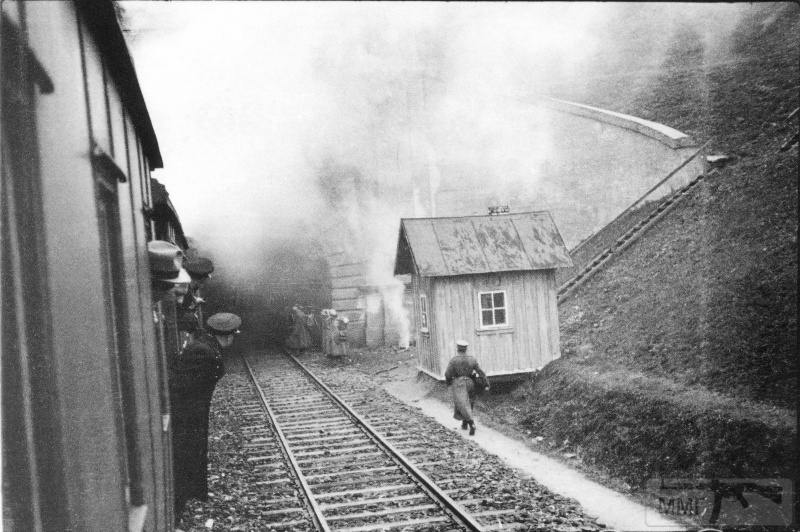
{"type": "Point", "coordinates": [462, 345]}
{"type": "Point", "coordinates": [199, 267]}
{"type": "Point", "coordinates": [166, 260]}
{"type": "Point", "coordinates": [224, 323]}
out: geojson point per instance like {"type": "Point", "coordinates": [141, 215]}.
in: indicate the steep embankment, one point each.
{"type": "Point", "coordinates": [679, 358]}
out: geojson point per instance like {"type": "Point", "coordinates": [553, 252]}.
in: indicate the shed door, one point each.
{"type": "Point", "coordinates": [426, 345]}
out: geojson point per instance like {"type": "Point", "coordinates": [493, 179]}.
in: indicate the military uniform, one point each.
{"type": "Point", "coordinates": [193, 377]}
{"type": "Point", "coordinates": [458, 377]}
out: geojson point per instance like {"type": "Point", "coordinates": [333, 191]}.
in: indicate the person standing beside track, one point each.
{"type": "Point", "coordinates": [339, 336]}
{"type": "Point", "coordinates": [300, 339]}
{"type": "Point", "coordinates": [461, 373]}
{"type": "Point", "coordinates": [327, 320]}
{"type": "Point", "coordinates": [192, 380]}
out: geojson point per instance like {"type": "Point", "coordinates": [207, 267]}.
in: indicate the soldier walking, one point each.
{"type": "Point", "coordinates": [461, 375]}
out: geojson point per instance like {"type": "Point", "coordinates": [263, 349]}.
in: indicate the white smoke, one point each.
{"type": "Point", "coordinates": [319, 121]}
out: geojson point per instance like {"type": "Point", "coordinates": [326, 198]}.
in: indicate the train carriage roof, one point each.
{"type": "Point", "coordinates": [434, 247]}
{"type": "Point", "coordinates": [101, 20]}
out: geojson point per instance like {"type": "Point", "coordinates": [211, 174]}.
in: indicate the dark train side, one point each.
{"type": "Point", "coordinates": [85, 413]}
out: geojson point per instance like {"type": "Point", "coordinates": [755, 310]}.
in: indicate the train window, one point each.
{"type": "Point", "coordinates": [493, 308]}
{"type": "Point", "coordinates": [33, 483]}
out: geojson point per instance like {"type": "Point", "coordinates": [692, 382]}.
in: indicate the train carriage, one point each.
{"type": "Point", "coordinates": [85, 416]}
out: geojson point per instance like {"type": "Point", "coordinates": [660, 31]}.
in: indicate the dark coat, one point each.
{"type": "Point", "coordinates": [458, 376]}
{"type": "Point", "coordinates": [300, 337]}
{"type": "Point", "coordinates": [193, 376]}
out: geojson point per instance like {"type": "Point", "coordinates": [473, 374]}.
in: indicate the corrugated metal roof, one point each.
{"type": "Point", "coordinates": [480, 244]}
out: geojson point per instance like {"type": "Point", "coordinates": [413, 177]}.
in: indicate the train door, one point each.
{"type": "Point", "coordinates": [31, 500]}
{"type": "Point", "coordinates": [118, 326]}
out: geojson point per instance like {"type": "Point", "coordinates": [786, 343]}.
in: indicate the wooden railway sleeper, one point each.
{"type": "Point", "coordinates": [335, 451]}
{"type": "Point", "coordinates": [375, 489]}
{"type": "Point", "coordinates": [395, 525]}
{"type": "Point", "coordinates": [354, 483]}
{"type": "Point", "coordinates": [369, 502]}
{"type": "Point", "coordinates": [386, 512]}
{"type": "Point", "coordinates": [346, 473]}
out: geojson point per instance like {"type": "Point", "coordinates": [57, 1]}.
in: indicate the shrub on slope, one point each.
{"type": "Point", "coordinates": [636, 427]}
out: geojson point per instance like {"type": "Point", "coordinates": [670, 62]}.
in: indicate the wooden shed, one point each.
{"type": "Point", "coordinates": [489, 280]}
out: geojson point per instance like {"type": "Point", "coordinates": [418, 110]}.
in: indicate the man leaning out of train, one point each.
{"type": "Point", "coordinates": [166, 271]}
{"type": "Point", "coordinates": [192, 381]}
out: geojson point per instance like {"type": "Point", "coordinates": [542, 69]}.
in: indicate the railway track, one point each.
{"type": "Point", "coordinates": [256, 487]}
{"type": "Point", "coordinates": [339, 473]}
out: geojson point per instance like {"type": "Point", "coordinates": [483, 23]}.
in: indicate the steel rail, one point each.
{"type": "Point", "coordinates": [428, 485]}
{"type": "Point", "coordinates": [316, 512]}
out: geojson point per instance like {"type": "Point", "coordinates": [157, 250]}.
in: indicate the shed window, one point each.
{"type": "Point", "coordinates": [493, 308]}
{"type": "Point", "coordinates": [423, 313]}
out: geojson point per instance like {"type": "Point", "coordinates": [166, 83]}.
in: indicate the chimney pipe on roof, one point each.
{"type": "Point", "coordinates": [494, 210]}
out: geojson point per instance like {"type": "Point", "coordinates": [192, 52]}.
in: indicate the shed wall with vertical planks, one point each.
{"type": "Point", "coordinates": [527, 342]}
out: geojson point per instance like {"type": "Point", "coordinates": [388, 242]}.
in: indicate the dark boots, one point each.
{"type": "Point", "coordinates": [472, 428]}
{"type": "Point", "coordinates": [464, 425]}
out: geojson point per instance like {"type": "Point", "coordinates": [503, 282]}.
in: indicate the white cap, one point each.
{"type": "Point", "coordinates": [463, 344]}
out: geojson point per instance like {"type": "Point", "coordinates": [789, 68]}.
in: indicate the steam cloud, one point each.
{"type": "Point", "coordinates": [322, 124]}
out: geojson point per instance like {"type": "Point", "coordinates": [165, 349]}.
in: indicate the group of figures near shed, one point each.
{"type": "Point", "coordinates": [324, 328]}
{"type": "Point", "coordinates": [194, 372]}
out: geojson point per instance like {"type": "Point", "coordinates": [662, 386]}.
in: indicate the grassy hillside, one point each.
{"type": "Point", "coordinates": [710, 295]}
{"type": "Point", "coordinates": [680, 357]}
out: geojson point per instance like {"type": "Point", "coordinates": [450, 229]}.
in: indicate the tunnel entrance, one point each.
{"type": "Point", "coordinates": [285, 273]}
